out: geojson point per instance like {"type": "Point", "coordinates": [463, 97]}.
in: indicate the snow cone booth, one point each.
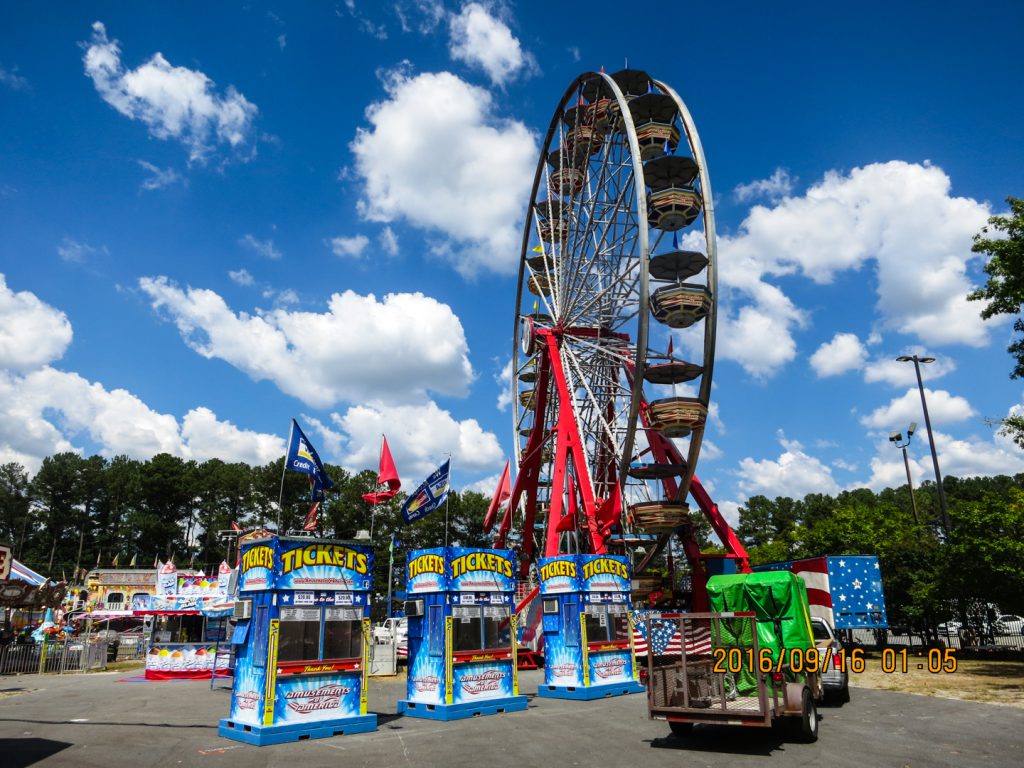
{"type": "Point", "coordinates": [186, 624]}
{"type": "Point", "coordinates": [301, 641]}
{"type": "Point", "coordinates": [462, 648]}
{"type": "Point", "coordinates": [588, 634]}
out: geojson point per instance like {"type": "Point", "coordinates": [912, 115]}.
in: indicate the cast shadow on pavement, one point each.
{"type": "Point", "coordinates": [21, 753]}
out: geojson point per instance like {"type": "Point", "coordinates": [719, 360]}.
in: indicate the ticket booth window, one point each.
{"type": "Point", "coordinates": [343, 633]}
{"type": "Point", "coordinates": [299, 635]}
{"type": "Point", "coordinates": [607, 623]}
{"type": "Point", "coordinates": [481, 627]}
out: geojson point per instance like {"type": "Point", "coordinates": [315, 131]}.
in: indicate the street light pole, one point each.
{"type": "Point", "coordinates": [931, 439]}
{"type": "Point", "coordinates": [894, 438]}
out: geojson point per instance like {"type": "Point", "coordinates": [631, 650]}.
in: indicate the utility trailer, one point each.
{"type": "Point", "coordinates": [754, 670]}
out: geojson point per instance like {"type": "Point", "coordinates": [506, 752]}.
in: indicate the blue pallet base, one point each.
{"type": "Point", "coordinates": [589, 693]}
{"type": "Point", "coordinates": [461, 711]}
{"type": "Point", "coordinates": [262, 736]}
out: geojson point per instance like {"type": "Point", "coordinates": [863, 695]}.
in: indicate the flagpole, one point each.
{"type": "Point", "coordinates": [391, 565]}
{"type": "Point", "coordinates": [376, 489]}
{"type": "Point", "coordinates": [284, 468]}
{"type": "Point", "coordinates": [446, 498]}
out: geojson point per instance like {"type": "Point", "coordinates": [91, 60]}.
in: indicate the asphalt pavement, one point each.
{"type": "Point", "coordinates": [98, 720]}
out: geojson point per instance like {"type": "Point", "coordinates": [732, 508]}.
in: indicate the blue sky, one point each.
{"type": "Point", "coordinates": [216, 218]}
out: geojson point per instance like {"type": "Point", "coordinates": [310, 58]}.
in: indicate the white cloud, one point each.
{"type": "Point", "coordinates": [44, 410]}
{"type": "Point", "coordinates": [241, 276]}
{"type": "Point", "coordinates": [774, 188]}
{"type": "Point", "coordinates": [47, 410]}
{"type": "Point", "coordinates": [574, 51]}
{"type": "Point", "coordinates": [844, 465]}
{"type": "Point", "coordinates": [422, 15]}
{"type": "Point", "coordinates": [730, 511]}
{"type": "Point", "coordinates": [360, 349]}
{"type": "Point", "coordinates": [75, 252]}
{"type": "Point", "coordinates": [844, 353]}
{"type": "Point", "coordinates": [504, 381]}
{"type": "Point", "coordinates": [419, 437]}
{"type": "Point", "coordinates": [173, 102]}
{"type": "Point", "coordinates": [942, 408]}
{"type": "Point", "coordinates": [389, 241]}
{"type": "Point", "coordinates": [969, 457]}
{"type": "Point", "coordinates": [351, 247]}
{"type": "Point", "coordinates": [437, 157]}
{"type": "Point", "coordinates": [13, 80]}
{"type": "Point", "coordinates": [32, 333]}
{"type": "Point", "coordinates": [889, 370]}
{"type": "Point", "coordinates": [480, 40]}
{"type": "Point", "coordinates": [793, 474]}
{"type": "Point", "coordinates": [900, 216]}
{"type": "Point", "coordinates": [264, 248]}
{"type": "Point", "coordinates": [161, 177]}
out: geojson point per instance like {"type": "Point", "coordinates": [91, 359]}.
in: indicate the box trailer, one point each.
{"type": "Point", "coordinates": [845, 590]}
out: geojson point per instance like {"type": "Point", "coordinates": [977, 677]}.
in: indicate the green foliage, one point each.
{"type": "Point", "coordinates": [1004, 290]}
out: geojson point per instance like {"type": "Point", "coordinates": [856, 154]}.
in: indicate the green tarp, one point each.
{"type": "Point", "coordinates": [778, 600]}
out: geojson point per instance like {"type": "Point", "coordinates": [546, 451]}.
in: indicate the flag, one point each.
{"type": "Point", "coordinates": [670, 345]}
{"type": "Point", "coordinates": [311, 517]}
{"type": "Point", "coordinates": [665, 637]}
{"type": "Point", "coordinates": [114, 561]}
{"type": "Point", "coordinates": [538, 249]}
{"type": "Point", "coordinates": [236, 527]}
{"type": "Point", "coordinates": [429, 496]}
{"type": "Point", "coordinates": [387, 475]}
{"type": "Point", "coordinates": [156, 561]}
{"type": "Point", "coordinates": [98, 554]}
{"type": "Point", "coordinates": [501, 494]}
{"type": "Point", "coordinates": [132, 563]}
{"type": "Point", "coordinates": [302, 457]}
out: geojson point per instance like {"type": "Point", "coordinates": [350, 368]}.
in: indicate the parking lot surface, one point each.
{"type": "Point", "coordinates": [98, 720]}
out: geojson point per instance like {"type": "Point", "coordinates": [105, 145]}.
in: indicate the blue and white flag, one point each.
{"type": "Point", "coordinates": [429, 496]}
{"type": "Point", "coordinates": [302, 457]}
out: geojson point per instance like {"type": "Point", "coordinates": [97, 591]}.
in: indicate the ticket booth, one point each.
{"type": "Point", "coordinates": [588, 631]}
{"type": "Point", "coordinates": [462, 633]}
{"type": "Point", "coordinates": [301, 641]}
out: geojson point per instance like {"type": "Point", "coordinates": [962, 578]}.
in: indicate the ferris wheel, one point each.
{"type": "Point", "coordinates": [618, 268]}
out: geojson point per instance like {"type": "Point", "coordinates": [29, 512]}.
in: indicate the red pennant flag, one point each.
{"type": "Point", "coordinates": [670, 345]}
{"type": "Point", "coordinates": [235, 526]}
{"type": "Point", "coordinates": [387, 475]}
{"type": "Point", "coordinates": [501, 494]}
{"type": "Point", "coordinates": [311, 518]}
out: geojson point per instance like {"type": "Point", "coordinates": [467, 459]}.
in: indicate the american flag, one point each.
{"type": "Point", "coordinates": [665, 637]}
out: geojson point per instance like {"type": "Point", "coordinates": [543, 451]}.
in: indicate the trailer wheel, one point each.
{"type": "Point", "coordinates": [808, 719]}
{"type": "Point", "coordinates": [680, 729]}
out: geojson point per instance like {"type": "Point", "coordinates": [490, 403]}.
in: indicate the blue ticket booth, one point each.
{"type": "Point", "coordinates": [462, 633]}
{"type": "Point", "coordinates": [301, 642]}
{"type": "Point", "coordinates": [587, 624]}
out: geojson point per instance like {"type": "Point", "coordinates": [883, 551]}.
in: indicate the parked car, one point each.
{"type": "Point", "coordinates": [1009, 624]}
{"type": "Point", "coordinates": [391, 629]}
{"type": "Point", "coordinates": [834, 682]}
{"type": "Point", "coordinates": [949, 627]}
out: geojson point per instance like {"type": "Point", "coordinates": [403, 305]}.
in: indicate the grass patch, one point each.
{"type": "Point", "coordinates": [992, 682]}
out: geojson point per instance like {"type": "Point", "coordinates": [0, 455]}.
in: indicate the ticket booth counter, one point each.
{"type": "Point", "coordinates": [301, 642]}
{"type": "Point", "coordinates": [462, 634]}
{"type": "Point", "coordinates": [588, 631]}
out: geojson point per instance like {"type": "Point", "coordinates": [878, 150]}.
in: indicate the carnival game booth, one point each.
{"type": "Point", "coordinates": [186, 623]}
{"type": "Point", "coordinates": [462, 647]}
{"type": "Point", "coordinates": [588, 631]}
{"type": "Point", "coordinates": [301, 642]}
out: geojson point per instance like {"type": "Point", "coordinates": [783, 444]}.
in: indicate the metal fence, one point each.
{"type": "Point", "coordinates": [75, 655]}
{"type": "Point", "coordinates": [960, 640]}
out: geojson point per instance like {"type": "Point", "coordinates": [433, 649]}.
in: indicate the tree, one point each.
{"type": "Point", "coordinates": [1004, 290]}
